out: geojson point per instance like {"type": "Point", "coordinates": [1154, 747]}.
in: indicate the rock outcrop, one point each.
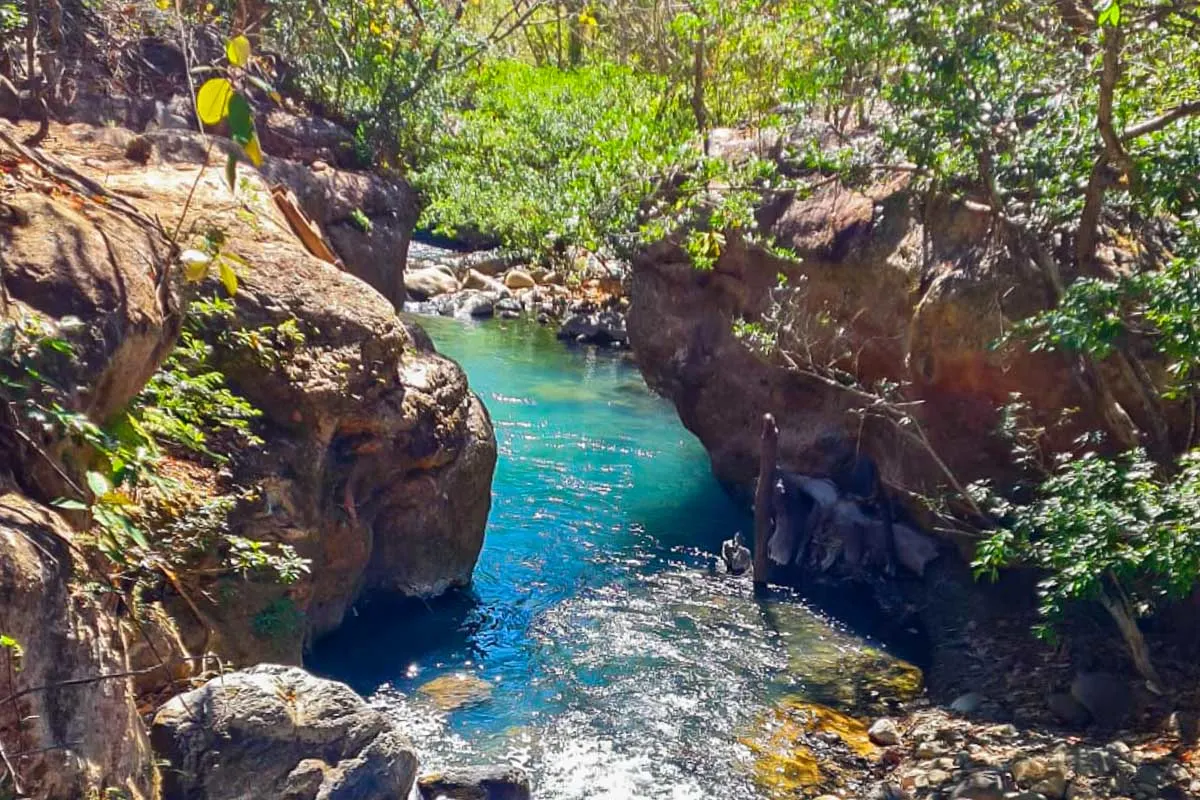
{"type": "Point", "coordinates": [883, 287]}
{"type": "Point", "coordinates": [377, 460]}
{"type": "Point", "coordinates": [891, 289]}
{"type": "Point", "coordinates": [68, 262]}
{"type": "Point", "coordinates": [367, 217]}
{"type": "Point", "coordinates": [273, 731]}
{"type": "Point", "coordinates": [69, 726]}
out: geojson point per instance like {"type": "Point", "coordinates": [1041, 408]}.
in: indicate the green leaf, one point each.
{"type": "Point", "coordinates": [237, 50]}
{"type": "Point", "coordinates": [213, 99]}
{"type": "Point", "coordinates": [241, 119]}
{"type": "Point", "coordinates": [266, 88]}
{"type": "Point", "coordinates": [1111, 15]}
{"type": "Point", "coordinates": [67, 504]}
{"type": "Point", "coordinates": [253, 150]}
{"type": "Point", "coordinates": [98, 483]}
{"type": "Point", "coordinates": [136, 534]}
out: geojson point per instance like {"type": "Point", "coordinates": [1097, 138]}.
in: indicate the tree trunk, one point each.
{"type": "Point", "coordinates": [31, 37]}
{"type": "Point", "coordinates": [762, 499]}
{"type": "Point", "coordinates": [1122, 614]}
{"type": "Point", "coordinates": [574, 36]}
{"type": "Point", "coordinates": [699, 109]}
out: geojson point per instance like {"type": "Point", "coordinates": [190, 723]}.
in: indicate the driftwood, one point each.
{"type": "Point", "coordinates": [767, 458]}
{"type": "Point", "coordinates": [302, 226]}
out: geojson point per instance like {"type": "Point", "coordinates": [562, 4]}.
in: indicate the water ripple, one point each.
{"type": "Point", "coordinates": [622, 665]}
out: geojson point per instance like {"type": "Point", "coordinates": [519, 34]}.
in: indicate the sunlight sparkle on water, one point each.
{"type": "Point", "coordinates": [620, 665]}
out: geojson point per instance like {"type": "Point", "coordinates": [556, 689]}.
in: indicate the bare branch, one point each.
{"type": "Point", "coordinates": [1189, 109]}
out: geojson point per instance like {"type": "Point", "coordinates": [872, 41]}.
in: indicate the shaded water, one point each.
{"type": "Point", "coordinates": [620, 664]}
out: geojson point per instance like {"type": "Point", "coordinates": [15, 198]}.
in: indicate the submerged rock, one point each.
{"type": "Point", "coordinates": [273, 731]}
{"type": "Point", "coordinates": [795, 745]}
{"type": "Point", "coordinates": [451, 692]}
{"type": "Point", "coordinates": [478, 783]}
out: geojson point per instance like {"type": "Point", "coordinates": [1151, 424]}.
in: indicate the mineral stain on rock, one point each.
{"type": "Point", "coordinates": [793, 747]}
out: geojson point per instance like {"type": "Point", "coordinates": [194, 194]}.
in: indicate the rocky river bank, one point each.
{"type": "Point", "coordinates": [373, 462]}
{"type": "Point", "coordinates": [586, 306]}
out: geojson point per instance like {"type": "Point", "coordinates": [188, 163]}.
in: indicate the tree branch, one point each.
{"type": "Point", "coordinates": [1189, 109]}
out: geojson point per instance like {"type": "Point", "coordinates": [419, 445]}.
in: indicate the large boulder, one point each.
{"type": "Point", "coordinates": [423, 284]}
{"type": "Point", "coordinates": [274, 731]}
{"type": "Point", "coordinates": [306, 139]}
{"type": "Point", "coordinates": [369, 219]}
{"type": "Point", "coordinates": [71, 727]}
{"type": "Point", "coordinates": [378, 458]}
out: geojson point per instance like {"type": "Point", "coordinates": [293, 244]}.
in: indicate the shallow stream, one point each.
{"type": "Point", "coordinates": [599, 648]}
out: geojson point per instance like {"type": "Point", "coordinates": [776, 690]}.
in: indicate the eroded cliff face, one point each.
{"type": "Point", "coordinates": [376, 464]}
{"type": "Point", "coordinates": [885, 288]}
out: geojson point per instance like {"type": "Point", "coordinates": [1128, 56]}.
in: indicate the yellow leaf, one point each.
{"type": "Point", "coordinates": [195, 265]}
{"type": "Point", "coordinates": [163, 5]}
{"type": "Point", "coordinates": [212, 101]}
{"type": "Point", "coordinates": [238, 51]}
{"type": "Point", "coordinates": [254, 151]}
{"type": "Point", "coordinates": [228, 278]}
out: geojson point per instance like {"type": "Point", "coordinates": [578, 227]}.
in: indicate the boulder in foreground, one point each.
{"type": "Point", "coordinates": [273, 731]}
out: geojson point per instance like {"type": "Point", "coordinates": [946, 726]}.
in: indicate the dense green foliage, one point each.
{"type": "Point", "coordinates": [542, 157]}
{"type": "Point", "coordinates": [1105, 527]}
{"type": "Point", "coordinates": [187, 403]}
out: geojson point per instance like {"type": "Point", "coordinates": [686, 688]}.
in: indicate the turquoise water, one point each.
{"type": "Point", "coordinates": [619, 663]}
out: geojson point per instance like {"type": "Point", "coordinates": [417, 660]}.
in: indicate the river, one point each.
{"type": "Point", "coordinates": [617, 661]}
